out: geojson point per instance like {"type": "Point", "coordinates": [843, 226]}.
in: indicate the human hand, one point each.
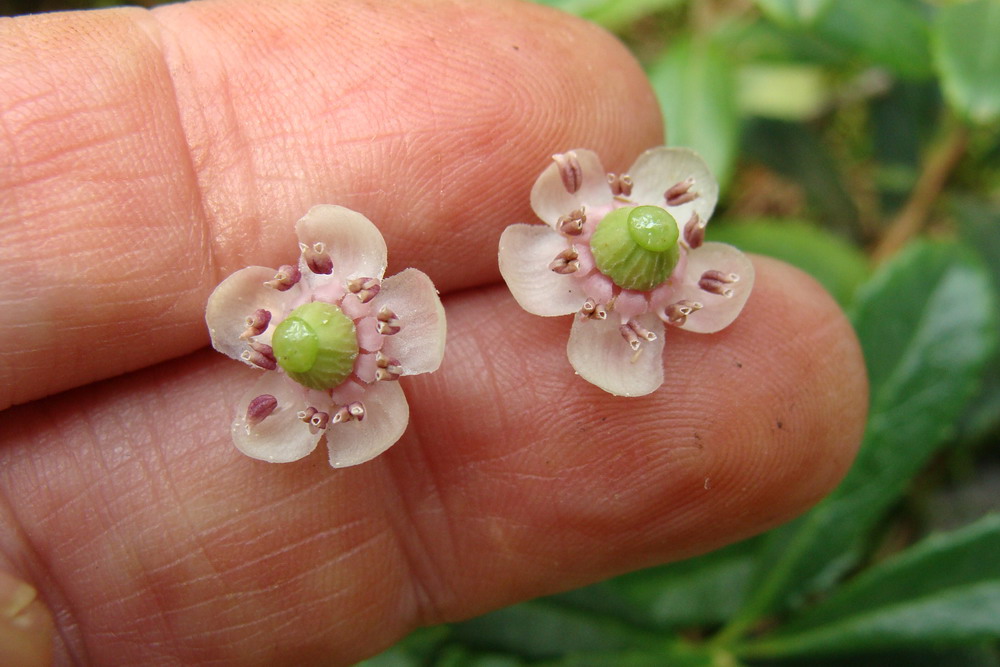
{"type": "Point", "coordinates": [149, 155]}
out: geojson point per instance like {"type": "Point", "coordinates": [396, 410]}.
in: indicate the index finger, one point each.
{"type": "Point", "coordinates": [151, 154]}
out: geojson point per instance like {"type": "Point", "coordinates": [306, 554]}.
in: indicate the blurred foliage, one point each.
{"type": "Point", "coordinates": [860, 141]}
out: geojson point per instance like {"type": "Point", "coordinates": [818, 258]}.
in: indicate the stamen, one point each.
{"type": "Point", "coordinates": [387, 368]}
{"type": "Point", "coordinates": [680, 193]}
{"type": "Point", "coordinates": [317, 258]}
{"type": "Point", "coordinates": [260, 355]}
{"type": "Point", "coordinates": [285, 278]}
{"type": "Point", "coordinates": [641, 331]}
{"type": "Point", "coordinates": [319, 420]}
{"type": "Point", "coordinates": [566, 262]}
{"type": "Point", "coordinates": [351, 412]}
{"type": "Point", "coordinates": [357, 410]}
{"type": "Point", "coordinates": [388, 324]}
{"type": "Point", "coordinates": [260, 408]}
{"type": "Point", "coordinates": [677, 313]}
{"type": "Point", "coordinates": [572, 224]}
{"type": "Point", "coordinates": [717, 282]}
{"type": "Point", "coordinates": [256, 324]}
{"type": "Point", "coordinates": [570, 171]}
{"type": "Point", "coordinates": [621, 184]}
{"type": "Point", "coordinates": [366, 289]}
{"type": "Point", "coordinates": [694, 231]}
{"type": "Point", "coordinates": [593, 310]}
{"type": "Point", "coordinates": [630, 336]}
{"type": "Point", "coordinates": [307, 414]}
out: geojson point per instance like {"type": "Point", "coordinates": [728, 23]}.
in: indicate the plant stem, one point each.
{"type": "Point", "coordinates": [937, 168]}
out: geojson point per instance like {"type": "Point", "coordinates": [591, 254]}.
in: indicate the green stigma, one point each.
{"type": "Point", "coordinates": [636, 246]}
{"type": "Point", "coordinates": [316, 345]}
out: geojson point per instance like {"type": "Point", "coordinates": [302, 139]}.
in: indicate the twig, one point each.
{"type": "Point", "coordinates": [937, 168]}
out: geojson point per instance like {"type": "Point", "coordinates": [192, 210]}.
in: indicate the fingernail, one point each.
{"type": "Point", "coordinates": [25, 625]}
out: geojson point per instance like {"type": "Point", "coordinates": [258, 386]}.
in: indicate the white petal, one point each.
{"type": "Point", "coordinates": [660, 168]}
{"type": "Point", "coordinates": [237, 298]}
{"type": "Point", "coordinates": [718, 311]}
{"type": "Point", "coordinates": [419, 344]}
{"type": "Point", "coordinates": [354, 243]}
{"type": "Point", "coordinates": [525, 254]}
{"type": "Point", "coordinates": [549, 198]}
{"type": "Point", "coordinates": [601, 356]}
{"type": "Point", "coordinates": [281, 437]}
{"type": "Point", "coordinates": [386, 417]}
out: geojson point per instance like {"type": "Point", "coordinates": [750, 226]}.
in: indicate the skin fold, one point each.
{"type": "Point", "coordinates": [147, 155]}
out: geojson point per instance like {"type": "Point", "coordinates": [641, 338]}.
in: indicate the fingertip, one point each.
{"type": "Point", "coordinates": [26, 629]}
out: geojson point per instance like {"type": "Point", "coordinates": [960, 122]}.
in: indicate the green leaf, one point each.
{"type": "Point", "coordinates": [412, 651]}
{"type": "Point", "coordinates": [676, 655]}
{"type": "Point", "coordinates": [543, 629]}
{"type": "Point", "coordinates": [976, 655]}
{"type": "Point", "coordinates": [696, 85]}
{"type": "Point", "coordinates": [837, 265]}
{"type": "Point", "coordinates": [892, 33]}
{"type": "Point", "coordinates": [927, 324]}
{"type": "Point", "coordinates": [793, 12]}
{"type": "Point", "coordinates": [967, 55]}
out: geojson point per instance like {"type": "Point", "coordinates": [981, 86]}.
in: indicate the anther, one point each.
{"type": "Point", "coordinates": [256, 324]}
{"type": "Point", "coordinates": [317, 258]}
{"type": "Point", "coordinates": [285, 278]}
{"type": "Point", "coordinates": [570, 171]}
{"type": "Point", "coordinates": [259, 359]}
{"type": "Point", "coordinates": [694, 231]}
{"type": "Point", "coordinates": [307, 414]}
{"type": "Point", "coordinates": [621, 184]}
{"type": "Point", "coordinates": [260, 408]}
{"type": "Point", "coordinates": [680, 193]}
{"type": "Point", "coordinates": [572, 224]}
{"type": "Point", "coordinates": [641, 331]}
{"type": "Point", "coordinates": [388, 324]}
{"type": "Point", "coordinates": [357, 410]}
{"type": "Point", "coordinates": [351, 412]}
{"type": "Point", "coordinates": [566, 262]}
{"type": "Point", "coordinates": [717, 282]}
{"type": "Point", "coordinates": [319, 420]}
{"type": "Point", "coordinates": [387, 368]}
{"type": "Point", "coordinates": [593, 310]}
{"type": "Point", "coordinates": [630, 336]}
{"type": "Point", "coordinates": [366, 289]}
{"type": "Point", "coordinates": [677, 313]}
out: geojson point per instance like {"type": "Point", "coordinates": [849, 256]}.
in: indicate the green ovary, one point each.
{"type": "Point", "coordinates": [316, 345]}
{"type": "Point", "coordinates": [636, 246]}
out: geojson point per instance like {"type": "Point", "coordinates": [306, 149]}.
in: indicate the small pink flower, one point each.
{"type": "Point", "coordinates": [331, 337]}
{"type": "Point", "coordinates": [626, 253]}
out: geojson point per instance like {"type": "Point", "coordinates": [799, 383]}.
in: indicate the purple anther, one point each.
{"type": "Point", "coordinates": [570, 171]}
{"type": "Point", "coordinates": [717, 282]}
{"type": "Point", "coordinates": [641, 331]}
{"type": "Point", "coordinates": [357, 410]}
{"type": "Point", "coordinates": [317, 258]}
{"type": "Point", "coordinates": [621, 184]}
{"type": "Point", "coordinates": [260, 360]}
{"type": "Point", "coordinates": [694, 231]}
{"type": "Point", "coordinates": [630, 336]}
{"type": "Point", "coordinates": [341, 415]}
{"type": "Point", "coordinates": [572, 224]}
{"type": "Point", "coordinates": [365, 289]}
{"type": "Point", "coordinates": [286, 277]}
{"type": "Point", "coordinates": [566, 262]}
{"type": "Point", "coordinates": [307, 414]}
{"type": "Point", "coordinates": [677, 313]}
{"type": "Point", "coordinates": [680, 193]}
{"type": "Point", "coordinates": [319, 420]}
{"type": "Point", "coordinates": [260, 408]}
{"type": "Point", "coordinates": [388, 324]}
{"type": "Point", "coordinates": [256, 324]}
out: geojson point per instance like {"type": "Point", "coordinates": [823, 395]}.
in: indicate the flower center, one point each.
{"type": "Point", "coordinates": [636, 246]}
{"type": "Point", "coordinates": [316, 345]}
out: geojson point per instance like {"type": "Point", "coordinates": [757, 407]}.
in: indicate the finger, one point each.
{"type": "Point", "coordinates": [153, 154]}
{"type": "Point", "coordinates": [153, 538]}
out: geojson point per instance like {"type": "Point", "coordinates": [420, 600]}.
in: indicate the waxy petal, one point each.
{"type": "Point", "coordinates": [419, 344]}
{"type": "Point", "coordinates": [386, 416]}
{"type": "Point", "coordinates": [602, 357]}
{"type": "Point", "coordinates": [659, 169]}
{"type": "Point", "coordinates": [718, 311]}
{"type": "Point", "coordinates": [525, 254]}
{"type": "Point", "coordinates": [281, 437]}
{"type": "Point", "coordinates": [550, 200]}
{"type": "Point", "coordinates": [352, 241]}
{"type": "Point", "coordinates": [238, 297]}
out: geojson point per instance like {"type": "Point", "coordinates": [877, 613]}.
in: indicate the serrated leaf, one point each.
{"type": "Point", "coordinates": [967, 56]}
{"type": "Point", "coordinates": [927, 324]}
{"type": "Point", "coordinates": [839, 266]}
{"type": "Point", "coordinates": [696, 85]}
